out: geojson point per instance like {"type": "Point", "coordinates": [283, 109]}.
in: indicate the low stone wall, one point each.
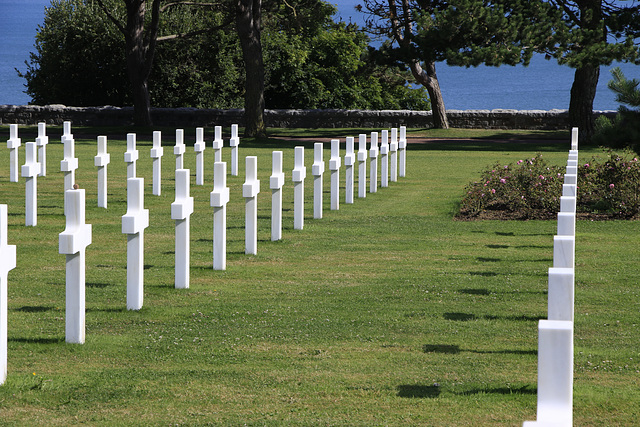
{"type": "Point", "coordinates": [332, 118]}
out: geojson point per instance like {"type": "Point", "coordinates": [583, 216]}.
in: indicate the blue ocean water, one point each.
{"type": "Point", "coordinates": [544, 85]}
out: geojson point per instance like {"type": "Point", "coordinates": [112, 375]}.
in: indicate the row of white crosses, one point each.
{"type": "Point", "coordinates": [555, 335]}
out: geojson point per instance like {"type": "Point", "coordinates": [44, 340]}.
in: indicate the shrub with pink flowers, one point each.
{"type": "Point", "coordinates": [531, 189]}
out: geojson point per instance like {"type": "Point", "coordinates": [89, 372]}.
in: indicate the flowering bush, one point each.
{"type": "Point", "coordinates": [610, 187]}
{"type": "Point", "coordinates": [531, 189]}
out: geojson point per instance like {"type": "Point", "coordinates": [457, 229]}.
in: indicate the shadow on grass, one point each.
{"type": "Point", "coordinates": [98, 285]}
{"type": "Point", "coordinates": [38, 340]}
{"type": "Point", "coordinates": [416, 391]}
{"type": "Point", "coordinates": [33, 309]}
{"type": "Point", "coordinates": [455, 349]}
{"type": "Point", "coordinates": [483, 259]}
{"type": "Point", "coordinates": [475, 291]}
{"type": "Point", "coordinates": [465, 317]}
{"type": "Point", "coordinates": [524, 390]}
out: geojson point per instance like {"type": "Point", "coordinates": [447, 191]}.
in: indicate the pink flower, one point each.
{"type": "Point", "coordinates": [506, 166]}
{"type": "Point", "coordinates": [493, 191]}
{"type": "Point", "coordinates": [586, 165]}
{"type": "Point", "coordinates": [519, 161]}
{"type": "Point", "coordinates": [541, 177]}
{"type": "Point", "coordinates": [611, 186]}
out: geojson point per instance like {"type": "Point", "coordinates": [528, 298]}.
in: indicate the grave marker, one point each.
{"type": "Point", "coordinates": [131, 155]}
{"type": "Point", "coordinates": [334, 167]}
{"type": "Point", "coordinates": [569, 190]}
{"type": "Point", "coordinates": [317, 170]}
{"type": "Point", "coordinates": [217, 145]}
{"type": "Point", "coordinates": [181, 210]}
{"type": "Point", "coordinates": [219, 198]}
{"type": "Point", "coordinates": [69, 164]}
{"type": "Point", "coordinates": [133, 224]}
{"type": "Point", "coordinates": [555, 374]}
{"type": "Point", "coordinates": [297, 176]}
{"type": "Point", "coordinates": [393, 151]}
{"type": "Point", "coordinates": [349, 160]}
{"type": "Point", "coordinates": [276, 181]}
{"type": "Point", "coordinates": [101, 160]}
{"type": "Point", "coordinates": [199, 148]}
{"type": "Point", "coordinates": [13, 144]}
{"type": "Point", "coordinates": [560, 298]}
{"type": "Point", "coordinates": [7, 263]}
{"type": "Point", "coordinates": [234, 142]}
{"type": "Point", "coordinates": [156, 155]}
{"type": "Point", "coordinates": [402, 152]}
{"type": "Point", "coordinates": [384, 159]}
{"type": "Point", "coordinates": [362, 165]}
{"type": "Point", "coordinates": [568, 203]}
{"type": "Point", "coordinates": [250, 190]}
{"type": "Point", "coordinates": [373, 163]}
{"type": "Point", "coordinates": [574, 139]}
{"type": "Point", "coordinates": [179, 149]}
{"type": "Point", "coordinates": [73, 242]}
{"type": "Point", "coordinates": [41, 141]}
{"type": "Point", "coordinates": [30, 171]}
{"type": "Point", "coordinates": [564, 248]}
{"type": "Point", "coordinates": [566, 224]}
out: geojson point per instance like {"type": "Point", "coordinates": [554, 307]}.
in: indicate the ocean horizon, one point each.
{"type": "Point", "coordinates": [543, 85]}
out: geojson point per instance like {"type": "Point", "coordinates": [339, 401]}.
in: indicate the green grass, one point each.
{"type": "Point", "coordinates": [386, 312]}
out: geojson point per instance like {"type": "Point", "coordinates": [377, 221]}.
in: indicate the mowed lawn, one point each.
{"type": "Point", "coordinates": [385, 312]}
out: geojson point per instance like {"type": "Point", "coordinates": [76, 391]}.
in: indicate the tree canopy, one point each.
{"type": "Point", "coordinates": [310, 61]}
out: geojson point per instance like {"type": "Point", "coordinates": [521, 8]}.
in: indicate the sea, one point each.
{"type": "Point", "coordinates": [543, 85]}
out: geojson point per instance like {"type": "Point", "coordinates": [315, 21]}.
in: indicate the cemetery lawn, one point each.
{"type": "Point", "coordinates": [386, 312]}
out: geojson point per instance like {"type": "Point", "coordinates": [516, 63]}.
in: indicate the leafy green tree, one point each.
{"type": "Point", "coordinates": [624, 130]}
{"type": "Point", "coordinates": [462, 32]}
{"type": "Point", "coordinates": [593, 33]}
{"type": "Point", "coordinates": [310, 61]}
{"type": "Point", "coordinates": [78, 59]}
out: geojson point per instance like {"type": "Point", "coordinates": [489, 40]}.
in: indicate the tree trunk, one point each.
{"type": "Point", "coordinates": [136, 66]}
{"type": "Point", "coordinates": [248, 20]}
{"type": "Point", "coordinates": [583, 92]}
{"type": "Point", "coordinates": [427, 77]}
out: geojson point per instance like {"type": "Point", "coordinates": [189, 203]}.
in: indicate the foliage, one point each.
{"type": "Point", "coordinates": [78, 58]}
{"type": "Point", "coordinates": [624, 129]}
{"type": "Point", "coordinates": [531, 189]}
{"type": "Point", "coordinates": [610, 187]}
{"type": "Point", "coordinates": [333, 68]}
{"type": "Point", "coordinates": [310, 61]}
{"type": "Point", "coordinates": [527, 189]}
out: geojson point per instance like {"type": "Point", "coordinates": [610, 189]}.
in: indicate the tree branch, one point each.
{"type": "Point", "coordinates": [225, 24]}
{"type": "Point", "coordinates": [112, 18]}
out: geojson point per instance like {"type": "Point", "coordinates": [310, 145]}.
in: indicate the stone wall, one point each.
{"type": "Point", "coordinates": [192, 117]}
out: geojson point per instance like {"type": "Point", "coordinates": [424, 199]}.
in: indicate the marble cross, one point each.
{"type": "Point", "coordinates": [362, 165]}
{"type": "Point", "coordinates": [297, 176]}
{"type": "Point", "coordinates": [334, 166]}
{"type": "Point", "coordinates": [219, 198]}
{"type": "Point", "coordinates": [13, 144]}
{"type": "Point", "coordinates": [276, 182]}
{"type": "Point", "coordinates": [317, 170]}
{"type": "Point", "coordinates": [156, 159]}
{"type": "Point", "coordinates": [181, 210]}
{"type": "Point", "coordinates": [7, 263]}
{"type": "Point", "coordinates": [73, 242]}
{"type": "Point", "coordinates": [134, 222]}
{"type": "Point", "coordinates": [250, 190]}
{"type": "Point", "coordinates": [101, 160]}
{"type": "Point", "coordinates": [199, 148]}
{"type": "Point", "coordinates": [30, 171]}
{"type": "Point", "coordinates": [41, 141]}
{"type": "Point", "coordinates": [234, 142]}
{"type": "Point", "coordinates": [373, 163]}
